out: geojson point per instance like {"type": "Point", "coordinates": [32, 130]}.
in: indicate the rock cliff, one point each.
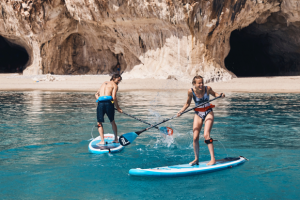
{"type": "Point", "coordinates": [151, 38]}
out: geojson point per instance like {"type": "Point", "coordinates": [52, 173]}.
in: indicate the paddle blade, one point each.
{"type": "Point", "coordinates": [166, 130]}
{"type": "Point", "coordinates": [127, 138]}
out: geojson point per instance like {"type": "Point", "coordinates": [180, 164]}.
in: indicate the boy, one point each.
{"type": "Point", "coordinates": [107, 99]}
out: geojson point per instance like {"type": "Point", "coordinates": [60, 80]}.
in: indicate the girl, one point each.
{"type": "Point", "coordinates": [200, 94]}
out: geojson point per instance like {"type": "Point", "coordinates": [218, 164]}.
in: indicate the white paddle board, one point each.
{"type": "Point", "coordinates": [109, 146]}
{"type": "Point", "coordinates": [186, 169]}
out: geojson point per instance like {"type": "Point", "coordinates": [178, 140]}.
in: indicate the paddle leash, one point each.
{"type": "Point", "coordinates": [128, 138]}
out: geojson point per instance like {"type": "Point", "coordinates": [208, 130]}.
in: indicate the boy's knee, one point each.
{"type": "Point", "coordinates": [99, 124]}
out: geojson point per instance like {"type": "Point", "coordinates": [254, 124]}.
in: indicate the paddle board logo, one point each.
{"type": "Point", "coordinates": [124, 141]}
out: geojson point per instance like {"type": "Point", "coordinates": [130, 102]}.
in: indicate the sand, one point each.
{"type": "Point", "coordinates": [90, 83]}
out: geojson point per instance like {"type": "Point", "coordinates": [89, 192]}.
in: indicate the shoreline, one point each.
{"type": "Point", "coordinates": [91, 83]}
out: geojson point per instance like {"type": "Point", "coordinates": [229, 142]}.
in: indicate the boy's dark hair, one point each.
{"type": "Point", "coordinates": [115, 76]}
{"type": "Point", "coordinates": [196, 77]}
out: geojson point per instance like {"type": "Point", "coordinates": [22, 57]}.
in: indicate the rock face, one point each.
{"type": "Point", "coordinates": [153, 38]}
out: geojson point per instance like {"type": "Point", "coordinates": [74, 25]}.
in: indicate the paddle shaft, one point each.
{"type": "Point", "coordinates": [165, 120]}
{"type": "Point", "coordinates": [138, 119]}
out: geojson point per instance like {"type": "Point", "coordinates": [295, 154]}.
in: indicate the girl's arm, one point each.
{"type": "Point", "coordinates": [213, 93]}
{"type": "Point", "coordinates": [187, 104]}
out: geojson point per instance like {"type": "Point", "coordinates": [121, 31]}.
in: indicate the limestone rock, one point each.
{"type": "Point", "coordinates": [148, 39]}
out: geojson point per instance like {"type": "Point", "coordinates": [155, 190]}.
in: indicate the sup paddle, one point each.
{"type": "Point", "coordinates": [128, 138]}
{"type": "Point", "coordinates": [165, 130]}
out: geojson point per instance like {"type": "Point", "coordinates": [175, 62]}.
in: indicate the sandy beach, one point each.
{"type": "Point", "coordinates": [90, 83]}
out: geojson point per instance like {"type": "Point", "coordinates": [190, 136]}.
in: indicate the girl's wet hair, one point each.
{"type": "Point", "coordinates": [196, 77]}
{"type": "Point", "coordinates": [115, 76]}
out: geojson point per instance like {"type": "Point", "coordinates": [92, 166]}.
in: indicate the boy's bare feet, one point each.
{"type": "Point", "coordinates": [116, 141]}
{"type": "Point", "coordinates": [101, 143]}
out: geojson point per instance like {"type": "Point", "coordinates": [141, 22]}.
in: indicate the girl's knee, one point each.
{"type": "Point", "coordinates": [206, 136]}
{"type": "Point", "coordinates": [196, 138]}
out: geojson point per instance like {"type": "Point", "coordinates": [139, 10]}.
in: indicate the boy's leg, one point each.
{"type": "Point", "coordinates": [209, 120]}
{"type": "Point", "coordinates": [101, 132]}
{"type": "Point", "coordinates": [110, 112]}
{"type": "Point", "coordinates": [197, 125]}
{"type": "Point", "coordinates": [100, 119]}
{"type": "Point", "coordinates": [115, 129]}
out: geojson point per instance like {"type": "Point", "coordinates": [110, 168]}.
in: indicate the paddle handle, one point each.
{"type": "Point", "coordinates": [138, 119]}
{"type": "Point", "coordinates": [165, 120]}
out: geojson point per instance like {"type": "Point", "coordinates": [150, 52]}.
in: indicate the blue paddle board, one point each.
{"type": "Point", "coordinates": [109, 147]}
{"type": "Point", "coordinates": [186, 169]}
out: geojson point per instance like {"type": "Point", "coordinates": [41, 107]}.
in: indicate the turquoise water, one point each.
{"type": "Point", "coordinates": [44, 138]}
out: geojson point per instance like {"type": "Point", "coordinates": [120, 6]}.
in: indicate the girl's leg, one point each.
{"type": "Point", "coordinates": [197, 125]}
{"type": "Point", "coordinates": [209, 120]}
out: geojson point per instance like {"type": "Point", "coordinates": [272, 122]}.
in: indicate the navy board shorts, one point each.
{"type": "Point", "coordinates": [105, 107]}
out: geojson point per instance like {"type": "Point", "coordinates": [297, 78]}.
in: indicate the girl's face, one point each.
{"type": "Point", "coordinates": [198, 83]}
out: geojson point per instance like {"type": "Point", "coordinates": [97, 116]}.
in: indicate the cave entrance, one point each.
{"type": "Point", "coordinates": [13, 58]}
{"type": "Point", "coordinates": [267, 49]}
{"type": "Point", "coordinates": [249, 55]}
{"type": "Point", "coordinates": [120, 66]}
{"type": "Point", "coordinates": [78, 55]}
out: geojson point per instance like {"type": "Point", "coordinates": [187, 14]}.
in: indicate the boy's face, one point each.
{"type": "Point", "coordinates": [117, 80]}
{"type": "Point", "coordinates": [199, 83]}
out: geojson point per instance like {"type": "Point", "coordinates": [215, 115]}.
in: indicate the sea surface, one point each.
{"type": "Point", "coordinates": [44, 139]}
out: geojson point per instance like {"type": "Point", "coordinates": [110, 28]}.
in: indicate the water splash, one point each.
{"type": "Point", "coordinates": [165, 140]}
{"type": "Point", "coordinates": [92, 134]}
{"type": "Point", "coordinates": [223, 147]}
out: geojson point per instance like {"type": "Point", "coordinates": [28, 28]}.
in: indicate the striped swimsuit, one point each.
{"type": "Point", "coordinates": [201, 100]}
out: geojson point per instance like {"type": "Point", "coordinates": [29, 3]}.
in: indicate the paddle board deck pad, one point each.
{"type": "Point", "coordinates": [186, 169]}
{"type": "Point", "coordinates": [109, 147]}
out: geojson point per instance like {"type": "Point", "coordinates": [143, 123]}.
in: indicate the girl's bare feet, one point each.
{"type": "Point", "coordinates": [212, 162]}
{"type": "Point", "coordinates": [116, 141]}
{"type": "Point", "coordinates": [194, 162]}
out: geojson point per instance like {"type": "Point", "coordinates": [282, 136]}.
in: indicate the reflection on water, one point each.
{"type": "Point", "coordinates": [44, 138]}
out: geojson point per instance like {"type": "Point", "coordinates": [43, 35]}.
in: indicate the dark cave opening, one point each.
{"type": "Point", "coordinates": [249, 55]}
{"type": "Point", "coordinates": [267, 49]}
{"type": "Point", "coordinates": [120, 66]}
{"type": "Point", "coordinates": [13, 58]}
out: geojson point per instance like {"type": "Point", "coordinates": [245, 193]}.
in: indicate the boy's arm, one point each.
{"type": "Point", "coordinates": [114, 95]}
{"type": "Point", "coordinates": [97, 95]}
